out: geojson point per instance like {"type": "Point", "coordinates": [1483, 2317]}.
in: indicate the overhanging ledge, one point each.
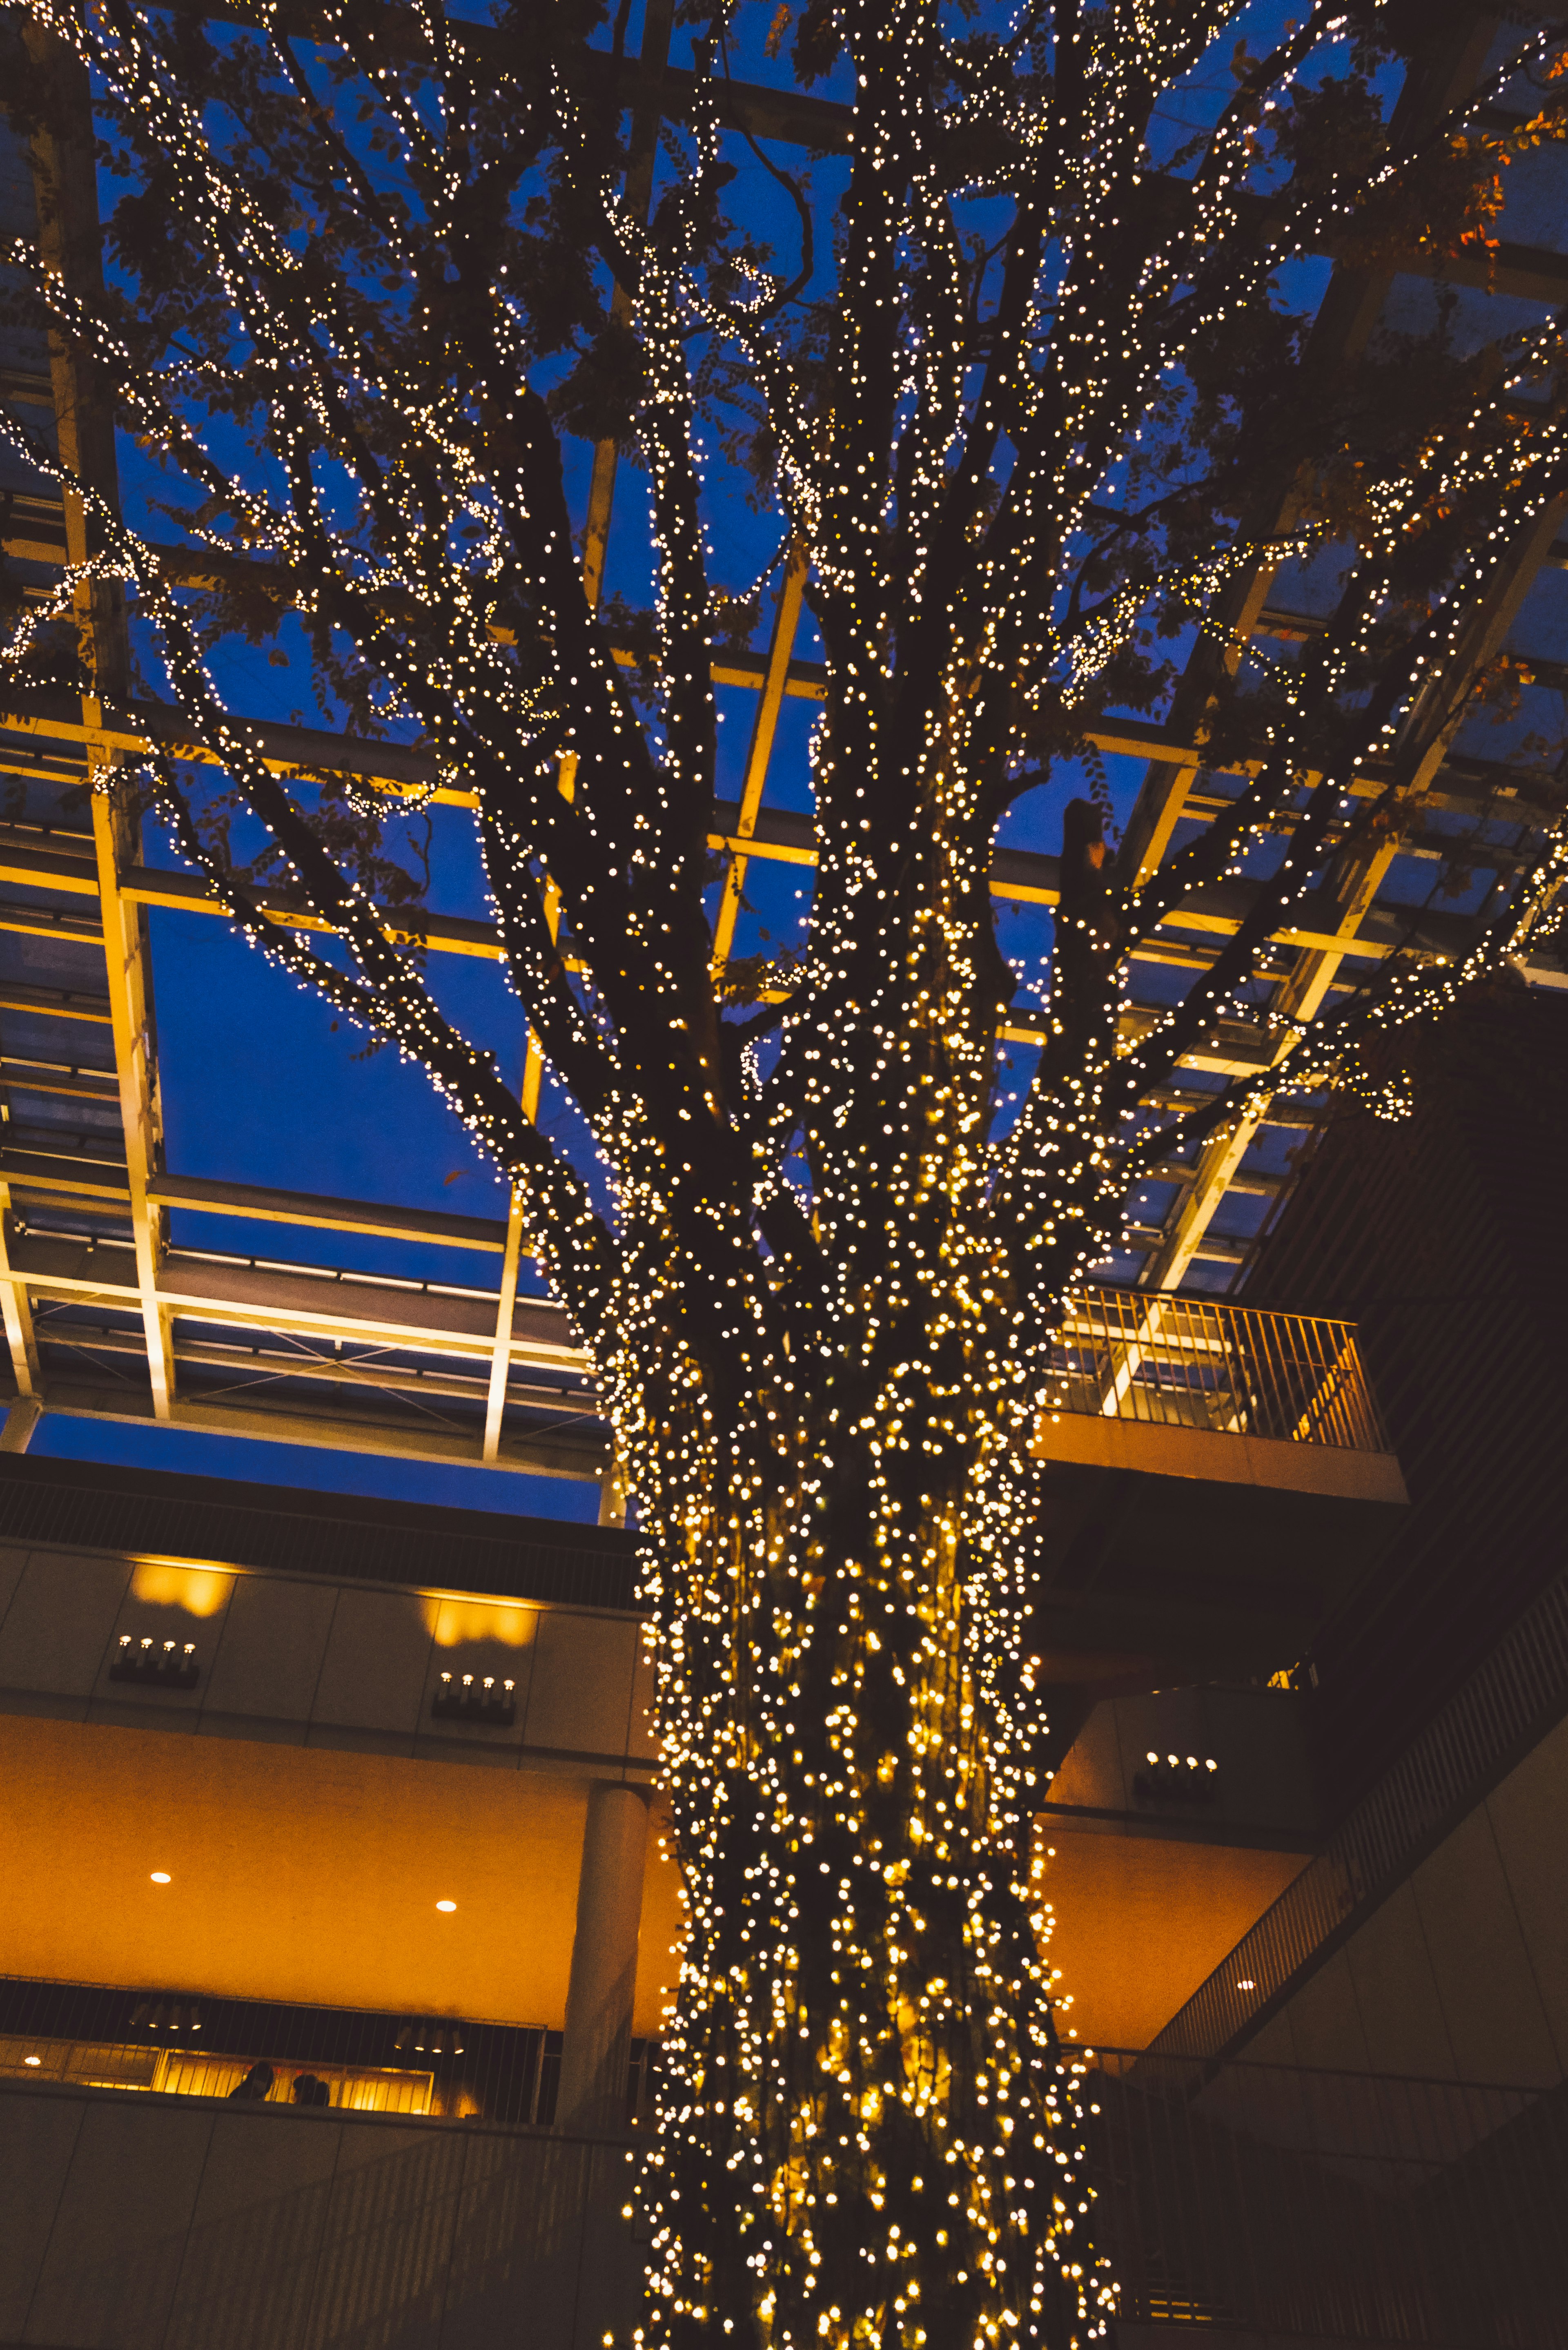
{"type": "Point", "coordinates": [1160, 1449]}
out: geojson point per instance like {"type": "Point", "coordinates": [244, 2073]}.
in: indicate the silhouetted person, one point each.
{"type": "Point", "coordinates": [254, 2085]}
{"type": "Point", "coordinates": [309, 2091]}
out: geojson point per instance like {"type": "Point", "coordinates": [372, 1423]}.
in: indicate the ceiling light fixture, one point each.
{"type": "Point", "coordinates": [446, 1905]}
{"type": "Point", "coordinates": [161, 1877]}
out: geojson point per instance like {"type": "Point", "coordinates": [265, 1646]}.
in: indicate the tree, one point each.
{"type": "Point", "coordinates": [1019, 400]}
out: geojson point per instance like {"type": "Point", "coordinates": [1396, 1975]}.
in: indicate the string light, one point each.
{"type": "Point", "coordinates": [823, 1296]}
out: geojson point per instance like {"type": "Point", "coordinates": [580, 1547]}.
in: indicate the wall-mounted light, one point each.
{"type": "Point", "coordinates": [470, 1697]}
{"type": "Point", "coordinates": [1166, 1780]}
{"type": "Point", "coordinates": [423, 2036]}
{"type": "Point", "coordinates": [167, 1664]}
{"type": "Point", "coordinates": [166, 2015]}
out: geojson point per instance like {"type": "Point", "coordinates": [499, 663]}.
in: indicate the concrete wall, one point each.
{"type": "Point", "coordinates": [300, 1876]}
{"type": "Point", "coordinates": [141, 2223]}
{"type": "Point", "coordinates": [1261, 1790]}
{"type": "Point", "coordinates": [294, 1659]}
{"type": "Point", "coordinates": [1150, 1890]}
{"type": "Point", "coordinates": [1462, 1972]}
{"type": "Point", "coordinates": [307, 1805]}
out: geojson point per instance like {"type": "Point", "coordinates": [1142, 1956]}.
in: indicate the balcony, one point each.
{"type": "Point", "coordinates": [1218, 1478]}
{"type": "Point", "coordinates": [1150, 1359]}
{"type": "Point", "coordinates": [205, 2173]}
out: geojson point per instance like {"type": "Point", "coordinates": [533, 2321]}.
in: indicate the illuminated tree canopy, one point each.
{"type": "Point", "coordinates": [1021, 386]}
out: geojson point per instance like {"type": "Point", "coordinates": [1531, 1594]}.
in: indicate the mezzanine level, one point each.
{"type": "Point", "coordinates": [1217, 1477]}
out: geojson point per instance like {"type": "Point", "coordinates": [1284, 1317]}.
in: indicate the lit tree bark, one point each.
{"type": "Point", "coordinates": [823, 1306]}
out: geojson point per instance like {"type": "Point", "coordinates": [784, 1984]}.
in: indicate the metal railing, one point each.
{"type": "Point", "coordinates": [1235, 1370]}
{"type": "Point", "coordinates": [1344, 2207]}
{"type": "Point", "coordinates": [1508, 1703]}
{"type": "Point", "coordinates": [184, 2045]}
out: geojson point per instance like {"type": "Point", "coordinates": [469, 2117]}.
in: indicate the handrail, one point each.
{"type": "Point", "coordinates": [1505, 1706]}
{"type": "Point", "coordinates": [1198, 1362]}
{"type": "Point", "coordinates": [1294, 2204]}
{"type": "Point", "coordinates": [189, 2045]}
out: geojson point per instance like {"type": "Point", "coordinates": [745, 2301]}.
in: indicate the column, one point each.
{"type": "Point", "coordinates": [16, 1433]}
{"type": "Point", "coordinates": [592, 2095]}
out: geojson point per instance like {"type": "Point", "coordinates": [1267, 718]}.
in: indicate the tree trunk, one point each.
{"type": "Point", "coordinates": [867, 2134]}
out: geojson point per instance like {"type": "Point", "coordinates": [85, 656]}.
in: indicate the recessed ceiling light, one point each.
{"type": "Point", "coordinates": [446, 1905]}
{"type": "Point", "coordinates": [1245, 1982]}
{"type": "Point", "coordinates": [161, 1877]}
{"type": "Point", "coordinates": [31, 2059]}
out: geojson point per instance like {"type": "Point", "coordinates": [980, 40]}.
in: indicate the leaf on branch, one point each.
{"type": "Point", "coordinates": [751, 979]}
{"type": "Point", "coordinates": [817, 43]}
{"type": "Point", "coordinates": [599, 399]}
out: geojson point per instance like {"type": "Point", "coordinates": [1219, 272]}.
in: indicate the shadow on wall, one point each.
{"type": "Point", "coordinates": [455, 2243]}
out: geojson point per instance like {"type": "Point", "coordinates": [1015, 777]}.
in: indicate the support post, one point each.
{"type": "Point", "coordinates": [792, 589]}
{"type": "Point", "coordinates": [65, 181]}
{"type": "Point", "coordinates": [592, 2094]}
{"type": "Point", "coordinates": [500, 1360]}
{"type": "Point", "coordinates": [22, 1419]}
{"type": "Point", "coordinates": [612, 1493]}
{"type": "Point", "coordinates": [20, 1339]}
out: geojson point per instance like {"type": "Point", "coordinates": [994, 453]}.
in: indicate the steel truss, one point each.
{"type": "Point", "coordinates": [104, 1317]}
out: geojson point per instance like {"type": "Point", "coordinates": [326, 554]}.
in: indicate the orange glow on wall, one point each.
{"type": "Point", "coordinates": [304, 1874]}
{"type": "Point", "coordinates": [199, 1590]}
{"type": "Point", "coordinates": [455, 1622]}
{"type": "Point", "coordinates": [1141, 1922]}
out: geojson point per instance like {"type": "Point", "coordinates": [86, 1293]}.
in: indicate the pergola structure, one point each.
{"type": "Point", "coordinates": [106, 1317]}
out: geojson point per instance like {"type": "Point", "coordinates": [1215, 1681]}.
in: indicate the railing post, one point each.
{"type": "Point", "coordinates": [1295, 1377]}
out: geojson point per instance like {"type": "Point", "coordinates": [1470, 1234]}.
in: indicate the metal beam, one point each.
{"type": "Point", "coordinates": [21, 1343]}
{"type": "Point", "coordinates": [314, 1211]}
{"type": "Point", "coordinates": [21, 1419]}
{"type": "Point", "coordinates": [327, 1430]}
{"type": "Point", "coordinates": [1021, 877]}
{"type": "Point", "coordinates": [263, 1365]}
{"type": "Point", "coordinates": [501, 1359]}
{"type": "Point", "coordinates": [1355, 882]}
{"type": "Point", "coordinates": [776, 676]}
{"type": "Point", "coordinates": [66, 191]}
{"type": "Point", "coordinates": [240, 1294]}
